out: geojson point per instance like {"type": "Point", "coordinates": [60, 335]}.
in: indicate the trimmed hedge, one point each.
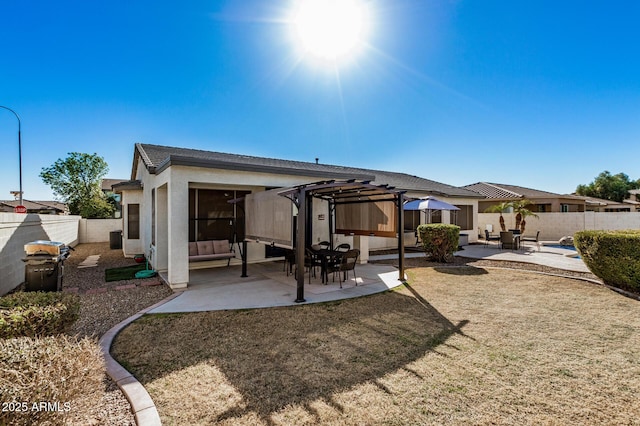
{"type": "Point", "coordinates": [37, 313]}
{"type": "Point", "coordinates": [613, 256]}
{"type": "Point", "coordinates": [439, 241]}
{"type": "Point", "coordinates": [51, 380]}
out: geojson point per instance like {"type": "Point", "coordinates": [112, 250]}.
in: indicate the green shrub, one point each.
{"type": "Point", "coordinates": [613, 256]}
{"type": "Point", "coordinates": [61, 375]}
{"type": "Point", "coordinates": [37, 313]}
{"type": "Point", "coordinates": [439, 241]}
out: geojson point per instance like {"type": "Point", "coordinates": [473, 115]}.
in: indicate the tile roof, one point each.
{"type": "Point", "coordinates": [107, 183]}
{"type": "Point", "coordinates": [156, 158]}
{"type": "Point", "coordinates": [502, 191]}
{"type": "Point", "coordinates": [36, 205]}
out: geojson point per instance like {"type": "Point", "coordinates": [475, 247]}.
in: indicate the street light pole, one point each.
{"type": "Point", "coordinates": [19, 149]}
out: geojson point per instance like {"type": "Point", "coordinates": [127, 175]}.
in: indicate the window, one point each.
{"type": "Point", "coordinates": [133, 221]}
{"type": "Point", "coordinates": [212, 217]}
{"type": "Point", "coordinates": [434, 216]}
{"type": "Point", "coordinates": [463, 217]}
{"type": "Point", "coordinates": [411, 220]}
{"type": "Point", "coordinates": [564, 208]}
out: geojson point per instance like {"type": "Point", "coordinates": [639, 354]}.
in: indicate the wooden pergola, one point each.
{"type": "Point", "coordinates": [360, 208]}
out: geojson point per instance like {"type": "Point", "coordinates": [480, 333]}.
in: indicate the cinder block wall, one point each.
{"type": "Point", "coordinates": [18, 229]}
{"type": "Point", "coordinates": [97, 230]}
{"type": "Point", "coordinates": [554, 226]}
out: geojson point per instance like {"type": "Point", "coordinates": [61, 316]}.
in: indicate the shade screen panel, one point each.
{"type": "Point", "coordinates": [269, 219]}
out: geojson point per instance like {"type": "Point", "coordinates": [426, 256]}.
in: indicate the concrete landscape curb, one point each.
{"type": "Point", "coordinates": [142, 406]}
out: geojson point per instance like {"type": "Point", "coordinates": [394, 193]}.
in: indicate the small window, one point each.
{"type": "Point", "coordinates": [133, 221]}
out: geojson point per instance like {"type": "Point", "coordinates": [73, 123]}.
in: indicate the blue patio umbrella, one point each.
{"type": "Point", "coordinates": [429, 204]}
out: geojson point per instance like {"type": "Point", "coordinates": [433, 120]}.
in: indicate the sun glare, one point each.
{"type": "Point", "coordinates": [330, 29]}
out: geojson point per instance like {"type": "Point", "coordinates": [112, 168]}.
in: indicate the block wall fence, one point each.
{"type": "Point", "coordinates": [553, 226]}
{"type": "Point", "coordinates": [18, 229]}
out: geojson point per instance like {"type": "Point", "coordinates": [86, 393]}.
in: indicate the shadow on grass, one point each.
{"type": "Point", "coordinates": [460, 270]}
{"type": "Point", "coordinates": [280, 357]}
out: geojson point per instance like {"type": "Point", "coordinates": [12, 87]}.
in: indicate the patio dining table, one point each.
{"type": "Point", "coordinates": [327, 257]}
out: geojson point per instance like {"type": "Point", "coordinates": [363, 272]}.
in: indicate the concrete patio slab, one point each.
{"type": "Point", "coordinates": [548, 256]}
{"type": "Point", "coordinates": [268, 285]}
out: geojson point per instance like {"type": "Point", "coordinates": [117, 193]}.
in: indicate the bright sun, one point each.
{"type": "Point", "coordinates": [330, 29]}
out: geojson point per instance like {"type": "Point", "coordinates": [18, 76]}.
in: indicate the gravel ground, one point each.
{"type": "Point", "coordinates": [103, 305]}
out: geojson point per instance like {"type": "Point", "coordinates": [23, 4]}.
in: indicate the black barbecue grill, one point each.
{"type": "Point", "coordinates": [44, 265]}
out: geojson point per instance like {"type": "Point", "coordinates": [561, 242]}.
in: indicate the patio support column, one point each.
{"type": "Point", "coordinates": [400, 206]}
{"type": "Point", "coordinates": [244, 259]}
{"type": "Point", "coordinates": [178, 231]}
{"type": "Point", "coordinates": [361, 242]}
{"type": "Point", "coordinates": [301, 243]}
{"type": "Point", "coordinates": [331, 209]}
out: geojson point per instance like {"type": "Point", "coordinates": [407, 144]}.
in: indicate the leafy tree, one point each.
{"type": "Point", "coordinates": [609, 187]}
{"type": "Point", "coordinates": [76, 181]}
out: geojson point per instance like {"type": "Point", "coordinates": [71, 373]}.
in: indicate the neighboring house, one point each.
{"type": "Point", "coordinates": [593, 204]}
{"type": "Point", "coordinates": [178, 195]}
{"type": "Point", "coordinates": [36, 207]}
{"type": "Point", "coordinates": [107, 188]}
{"type": "Point", "coordinates": [541, 201]}
{"type": "Point", "coordinates": [633, 200]}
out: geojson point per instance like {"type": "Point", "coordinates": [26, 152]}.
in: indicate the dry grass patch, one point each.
{"type": "Point", "coordinates": [460, 345]}
{"type": "Point", "coordinates": [50, 380]}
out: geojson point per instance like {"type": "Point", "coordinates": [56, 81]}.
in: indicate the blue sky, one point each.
{"type": "Point", "coordinates": [542, 94]}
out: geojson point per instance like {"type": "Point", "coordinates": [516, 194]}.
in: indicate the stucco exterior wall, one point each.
{"type": "Point", "coordinates": [18, 229]}
{"type": "Point", "coordinates": [97, 230]}
{"type": "Point", "coordinates": [171, 187]}
{"type": "Point", "coordinates": [554, 226]}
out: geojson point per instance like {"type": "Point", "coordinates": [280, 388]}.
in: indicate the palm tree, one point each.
{"type": "Point", "coordinates": [522, 211]}
{"type": "Point", "coordinates": [500, 208]}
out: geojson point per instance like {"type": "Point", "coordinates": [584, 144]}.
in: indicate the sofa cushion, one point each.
{"type": "Point", "coordinates": [205, 247]}
{"type": "Point", "coordinates": [200, 258]}
{"type": "Point", "coordinates": [193, 249]}
{"type": "Point", "coordinates": [220, 246]}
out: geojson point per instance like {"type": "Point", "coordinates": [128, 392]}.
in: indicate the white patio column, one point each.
{"type": "Point", "coordinates": [161, 254]}
{"type": "Point", "coordinates": [361, 242]}
{"type": "Point", "coordinates": [446, 216]}
{"type": "Point", "coordinates": [178, 231]}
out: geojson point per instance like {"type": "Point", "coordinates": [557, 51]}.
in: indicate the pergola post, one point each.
{"type": "Point", "coordinates": [401, 235]}
{"type": "Point", "coordinates": [301, 243]}
{"type": "Point", "coordinates": [243, 255]}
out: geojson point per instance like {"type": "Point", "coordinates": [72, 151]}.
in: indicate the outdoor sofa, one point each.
{"type": "Point", "coordinates": [200, 251]}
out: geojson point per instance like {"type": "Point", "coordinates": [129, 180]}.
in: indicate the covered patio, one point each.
{"type": "Point", "coordinates": [269, 285]}
{"type": "Point", "coordinates": [356, 208]}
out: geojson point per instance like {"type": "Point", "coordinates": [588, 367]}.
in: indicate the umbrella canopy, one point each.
{"type": "Point", "coordinates": [429, 203]}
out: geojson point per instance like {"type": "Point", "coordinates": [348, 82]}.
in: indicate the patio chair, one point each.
{"type": "Point", "coordinates": [343, 248]}
{"type": "Point", "coordinates": [290, 260]}
{"type": "Point", "coordinates": [311, 261]}
{"type": "Point", "coordinates": [488, 237]}
{"type": "Point", "coordinates": [346, 263]}
{"type": "Point", "coordinates": [508, 240]}
{"type": "Point", "coordinates": [535, 239]}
